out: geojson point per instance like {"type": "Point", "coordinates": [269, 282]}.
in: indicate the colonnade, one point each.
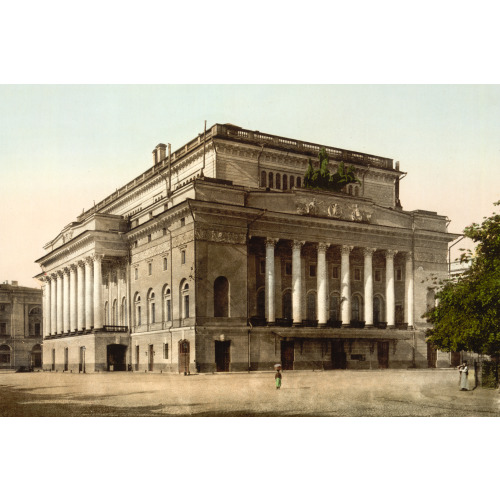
{"type": "Point", "coordinates": [73, 297]}
{"type": "Point", "coordinates": [345, 284]}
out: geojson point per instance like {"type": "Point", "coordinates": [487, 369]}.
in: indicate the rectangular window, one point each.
{"type": "Point", "coordinates": [138, 315]}
{"type": "Point", "coordinates": [399, 274]}
{"type": "Point", "coordinates": [3, 328]}
{"type": "Point", "coordinates": [335, 273]}
{"type": "Point", "coordinates": [262, 266]}
{"type": "Point", "coordinates": [165, 351]}
{"type": "Point", "coordinates": [165, 263]}
{"type": "Point", "coordinates": [135, 244]}
{"type": "Point", "coordinates": [169, 313]}
{"type": "Point", "coordinates": [183, 222]}
{"type": "Point", "coordinates": [164, 231]}
{"type": "Point", "coordinates": [183, 257]}
{"type": "Point", "coordinates": [378, 275]}
{"type": "Point", "coordinates": [357, 274]}
{"type": "Point", "coordinates": [2, 307]}
{"type": "Point", "coordinates": [150, 268]}
{"type": "Point", "coordinates": [149, 238]}
{"type": "Point", "coordinates": [153, 313]}
{"type": "Point", "coordinates": [312, 270]}
{"type": "Point", "coordinates": [288, 268]}
{"type": "Point", "coordinates": [136, 273]}
{"type": "Point", "coordinates": [136, 357]}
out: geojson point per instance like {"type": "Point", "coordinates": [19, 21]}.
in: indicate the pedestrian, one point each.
{"type": "Point", "coordinates": [277, 378]}
{"type": "Point", "coordinates": [464, 376]}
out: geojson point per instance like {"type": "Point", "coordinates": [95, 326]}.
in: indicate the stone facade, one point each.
{"type": "Point", "coordinates": [20, 327]}
{"type": "Point", "coordinates": [218, 259]}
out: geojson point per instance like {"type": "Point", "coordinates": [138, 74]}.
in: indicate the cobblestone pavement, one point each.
{"type": "Point", "coordinates": [384, 393]}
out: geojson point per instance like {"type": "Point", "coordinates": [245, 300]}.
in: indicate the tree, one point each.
{"type": "Point", "coordinates": [467, 316]}
{"type": "Point", "coordinates": [321, 178]}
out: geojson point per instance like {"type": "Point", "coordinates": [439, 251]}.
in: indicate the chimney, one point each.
{"type": "Point", "coordinates": [161, 152]}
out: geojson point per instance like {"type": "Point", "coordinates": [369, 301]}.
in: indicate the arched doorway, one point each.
{"type": "Point", "coordinates": [36, 356]}
{"type": "Point", "coordinates": [116, 357]}
{"type": "Point", "coordinates": [184, 357]}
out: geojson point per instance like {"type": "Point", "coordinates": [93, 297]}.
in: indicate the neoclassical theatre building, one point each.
{"type": "Point", "coordinates": [218, 259]}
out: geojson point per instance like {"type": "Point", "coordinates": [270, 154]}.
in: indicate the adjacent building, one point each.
{"type": "Point", "coordinates": [20, 326]}
{"type": "Point", "coordinates": [217, 258]}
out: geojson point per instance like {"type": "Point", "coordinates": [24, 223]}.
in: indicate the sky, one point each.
{"type": "Point", "coordinates": [64, 147]}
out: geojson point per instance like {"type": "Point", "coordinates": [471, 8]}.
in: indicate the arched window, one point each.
{"type": "Point", "coordinates": [271, 180]}
{"type": "Point", "coordinates": [311, 306]}
{"type": "Point", "coordinates": [167, 304]}
{"type": "Point", "coordinates": [298, 182]}
{"type": "Point", "coordinates": [263, 178]}
{"type": "Point", "coordinates": [35, 321]}
{"type": "Point", "coordinates": [185, 299]}
{"type": "Point", "coordinates": [278, 181]}
{"type": "Point", "coordinates": [114, 318]}
{"type": "Point", "coordinates": [261, 303]}
{"type": "Point", "coordinates": [285, 181]}
{"type": "Point", "coordinates": [123, 312]}
{"type": "Point", "coordinates": [137, 309]}
{"type": "Point", "coordinates": [4, 354]}
{"type": "Point", "coordinates": [287, 304]}
{"type": "Point", "coordinates": [151, 307]}
{"type": "Point", "coordinates": [356, 308]}
{"type": "Point", "coordinates": [221, 297]}
{"type": "Point", "coordinates": [292, 181]}
{"type": "Point", "coordinates": [334, 307]}
{"type": "Point", "coordinates": [378, 310]}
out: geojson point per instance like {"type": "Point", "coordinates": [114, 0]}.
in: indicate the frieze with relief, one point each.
{"type": "Point", "coordinates": [340, 211]}
{"type": "Point", "coordinates": [430, 257]}
{"type": "Point", "coordinates": [151, 252]}
{"type": "Point", "coordinates": [220, 236]}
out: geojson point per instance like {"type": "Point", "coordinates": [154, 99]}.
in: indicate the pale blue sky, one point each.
{"type": "Point", "coordinates": [62, 147]}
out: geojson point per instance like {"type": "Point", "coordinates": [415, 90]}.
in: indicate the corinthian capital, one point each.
{"type": "Point", "coordinates": [322, 247]}
{"type": "Point", "coordinates": [297, 245]}
{"type": "Point", "coordinates": [368, 252]}
{"type": "Point", "coordinates": [346, 249]}
{"type": "Point", "coordinates": [271, 242]}
{"type": "Point", "coordinates": [389, 254]}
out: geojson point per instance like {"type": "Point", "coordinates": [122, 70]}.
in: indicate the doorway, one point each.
{"type": "Point", "coordinates": [151, 357]}
{"type": "Point", "coordinates": [431, 356]}
{"type": "Point", "coordinates": [184, 357]}
{"type": "Point", "coordinates": [287, 354]}
{"type": "Point", "coordinates": [339, 357]}
{"type": "Point", "coordinates": [66, 356]}
{"type": "Point", "coordinates": [116, 354]}
{"type": "Point", "coordinates": [36, 356]}
{"type": "Point", "coordinates": [383, 354]}
{"type": "Point", "coordinates": [222, 356]}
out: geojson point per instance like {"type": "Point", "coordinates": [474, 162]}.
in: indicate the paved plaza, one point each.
{"type": "Point", "coordinates": [405, 393]}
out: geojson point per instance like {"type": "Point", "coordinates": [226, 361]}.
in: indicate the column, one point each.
{"type": "Point", "coordinates": [80, 292]}
{"type": "Point", "coordinates": [270, 305]}
{"type": "Point", "coordinates": [89, 297]}
{"type": "Point", "coordinates": [98, 292]}
{"type": "Point", "coordinates": [109, 319]}
{"type": "Point", "coordinates": [368, 282]}
{"type": "Point", "coordinates": [60, 315]}
{"type": "Point", "coordinates": [53, 304]}
{"type": "Point", "coordinates": [296, 283]}
{"type": "Point", "coordinates": [322, 285]}
{"type": "Point", "coordinates": [345, 286]}
{"type": "Point", "coordinates": [46, 306]}
{"type": "Point", "coordinates": [66, 299]}
{"type": "Point", "coordinates": [409, 289]}
{"type": "Point", "coordinates": [389, 288]}
{"type": "Point", "coordinates": [118, 295]}
{"type": "Point", "coordinates": [72, 297]}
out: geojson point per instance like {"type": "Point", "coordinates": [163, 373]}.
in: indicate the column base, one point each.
{"type": "Point", "coordinates": [369, 327]}
{"type": "Point", "coordinates": [391, 327]}
{"type": "Point", "coordinates": [296, 324]}
{"type": "Point", "coordinates": [271, 323]}
{"type": "Point", "coordinates": [410, 327]}
{"type": "Point", "coordinates": [346, 325]}
{"type": "Point", "coordinates": [322, 325]}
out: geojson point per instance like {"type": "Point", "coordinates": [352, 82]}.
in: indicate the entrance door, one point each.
{"type": "Point", "coordinates": [287, 354]}
{"type": "Point", "coordinates": [339, 358]}
{"type": "Point", "coordinates": [431, 356]}
{"type": "Point", "coordinates": [66, 359]}
{"type": "Point", "coordinates": [455, 358]}
{"type": "Point", "coordinates": [222, 358]}
{"type": "Point", "coordinates": [36, 357]}
{"type": "Point", "coordinates": [184, 357]}
{"type": "Point", "coordinates": [116, 357]}
{"type": "Point", "coordinates": [383, 354]}
{"type": "Point", "coordinates": [151, 358]}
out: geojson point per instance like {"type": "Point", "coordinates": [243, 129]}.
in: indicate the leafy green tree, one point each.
{"type": "Point", "coordinates": [467, 316]}
{"type": "Point", "coordinates": [320, 178]}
